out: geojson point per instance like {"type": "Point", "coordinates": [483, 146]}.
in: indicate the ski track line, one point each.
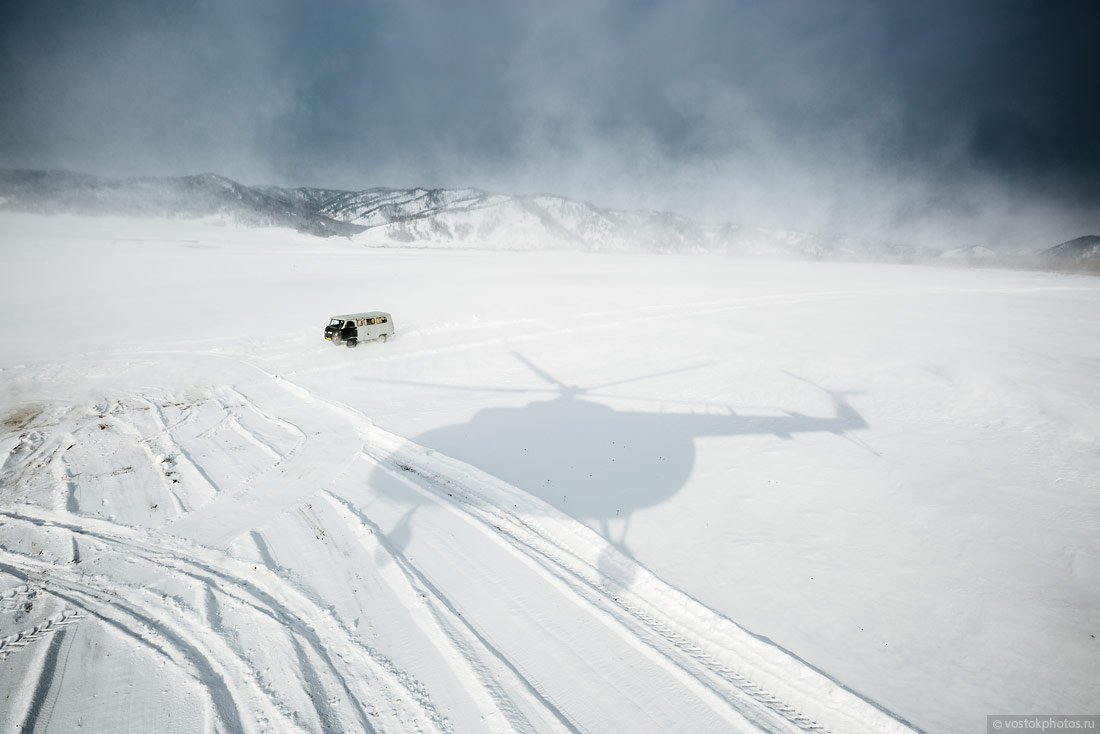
{"type": "Point", "coordinates": [251, 405]}
{"type": "Point", "coordinates": [409, 708]}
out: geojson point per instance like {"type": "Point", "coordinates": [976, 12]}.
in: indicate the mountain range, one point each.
{"type": "Point", "coordinates": [1081, 248]}
{"type": "Point", "coordinates": [186, 197]}
{"type": "Point", "coordinates": [466, 217]}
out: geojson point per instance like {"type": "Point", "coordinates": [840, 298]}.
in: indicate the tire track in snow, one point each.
{"type": "Point", "coordinates": [747, 699]}
{"type": "Point", "coordinates": [597, 320]}
{"type": "Point", "coordinates": [179, 450]}
{"type": "Point", "coordinates": [688, 661]}
{"type": "Point", "coordinates": [759, 677]}
{"type": "Point", "coordinates": [274, 419]}
{"type": "Point", "coordinates": [52, 624]}
{"type": "Point", "coordinates": [291, 480]}
{"type": "Point", "coordinates": [26, 456]}
{"type": "Point", "coordinates": [589, 592]}
{"type": "Point", "coordinates": [680, 638]}
{"type": "Point", "coordinates": [128, 428]}
{"type": "Point", "coordinates": [653, 615]}
{"type": "Point", "coordinates": [139, 625]}
{"type": "Point", "coordinates": [458, 631]}
{"type": "Point", "coordinates": [45, 692]}
{"type": "Point", "coordinates": [623, 317]}
{"type": "Point", "coordinates": [246, 507]}
{"type": "Point", "coordinates": [392, 700]}
{"type": "Point", "coordinates": [232, 421]}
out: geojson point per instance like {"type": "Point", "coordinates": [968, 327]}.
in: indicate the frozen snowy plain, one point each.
{"type": "Point", "coordinates": [555, 502]}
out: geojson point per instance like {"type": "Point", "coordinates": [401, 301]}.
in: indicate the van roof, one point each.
{"type": "Point", "coordinates": [364, 315]}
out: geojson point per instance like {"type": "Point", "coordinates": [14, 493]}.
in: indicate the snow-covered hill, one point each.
{"type": "Point", "coordinates": [184, 197]}
{"type": "Point", "coordinates": [469, 217]}
{"type": "Point", "coordinates": [440, 218]}
{"type": "Point", "coordinates": [970, 253]}
{"type": "Point", "coordinates": [475, 218]}
{"type": "Point", "coordinates": [1081, 248]}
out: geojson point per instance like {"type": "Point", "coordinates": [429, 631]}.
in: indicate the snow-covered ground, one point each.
{"type": "Point", "coordinates": [575, 493]}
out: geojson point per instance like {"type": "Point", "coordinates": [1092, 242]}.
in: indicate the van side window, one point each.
{"type": "Point", "coordinates": [382, 319]}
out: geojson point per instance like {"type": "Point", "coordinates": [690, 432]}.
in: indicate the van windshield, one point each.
{"type": "Point", "coordinates": [336, 322]}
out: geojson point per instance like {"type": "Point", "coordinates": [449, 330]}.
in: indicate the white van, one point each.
{"type": "Point", "coordinates": [353, 328]}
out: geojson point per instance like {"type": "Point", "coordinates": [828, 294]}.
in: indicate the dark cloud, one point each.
{"type": "Point", "coordinates": [962, 121]}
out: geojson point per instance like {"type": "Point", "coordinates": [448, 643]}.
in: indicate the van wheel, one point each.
{"type": "Point", "coordinates": [352, 343]}
{"type": "Point", "coordinates": [382, 338]}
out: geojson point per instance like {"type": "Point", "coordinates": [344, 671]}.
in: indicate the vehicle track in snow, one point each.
{"type": "Point", "coordinates": [713, 664]}
{"type": "Point", "coordinates": [711, 682]}
{"type": "Point", "coordinates": [379, 696]}
{"type": "Point", "coordinates": [617, 318]}
{"type": "Point", "coordinates": [699, 647]}
{"type": "Point", "coordinates": [707, 665]}
{"type": "Point", "coordinates": [471, 654]}
{"type": "Point", "coordinates": [748, 683]}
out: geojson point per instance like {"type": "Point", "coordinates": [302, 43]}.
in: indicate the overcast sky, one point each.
{"type": "Point", "coordinates": [970, 121]}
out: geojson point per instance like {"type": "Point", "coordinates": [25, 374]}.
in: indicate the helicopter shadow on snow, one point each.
{"type": "Point", "coordinates": [597, 464]}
